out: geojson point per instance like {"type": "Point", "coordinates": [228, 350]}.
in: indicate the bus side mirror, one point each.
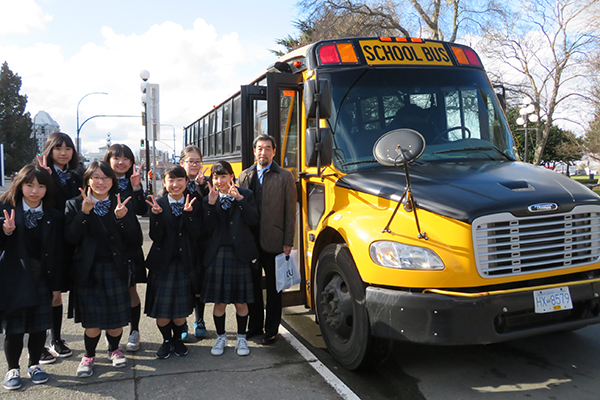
{"type": "Point", "coordinates": [314, 146]}
{"type": "Point", "coordinates": [312, 98]}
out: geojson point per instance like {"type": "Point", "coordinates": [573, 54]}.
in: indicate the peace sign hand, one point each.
{"type": "Point", "coordinates": [201, 178]}
{"type": "Point", "coordinates": [234, 192]}
{"type": "Point", "coordinates": [43, 162]}
{"type": "Point", "coordinates": [87, 204]}
{"type": "Point", "coordinates": [213, 195]}
{"type": "Point", "coordinates": [121, 208]}
{"type": "Point", "coordinates": [136, 178]}
{"type": "Point", "coordinates": [156, 209]}
{"type": "Point", "coordinates": [9, 222]}
{"type": "Point", "coordinates": [188, 204]}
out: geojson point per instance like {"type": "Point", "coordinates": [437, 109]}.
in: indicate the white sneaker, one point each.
{"type": "Point", "coordinates": [133, 343]}
{"type": "Point", "coordinates": [86, 367]}
{"type": "Point", "coordinates": [118, 358]}
{"type": "Point", "coordinates": [219, 345]}
{"type": "Point", "coordinates": [242, 346]}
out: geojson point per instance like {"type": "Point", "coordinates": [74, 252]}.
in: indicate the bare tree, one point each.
{"type": "Point", "coordinates": [434, 19]}
{"type": "Point", "coordinates": [547, 46]}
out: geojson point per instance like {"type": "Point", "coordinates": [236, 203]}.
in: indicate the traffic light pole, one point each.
{"type": "Point", "coordinates": [148, 187]}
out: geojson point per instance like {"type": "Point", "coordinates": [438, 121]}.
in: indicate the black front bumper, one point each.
{"type": "Point", "coordinates": [455, 320]}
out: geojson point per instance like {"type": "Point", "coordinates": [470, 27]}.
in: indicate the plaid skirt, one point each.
{"type": "Point", "coordinates": [32, 319]}
{"type": "Point", "coordinates": [105, 302]}
{"type": "Point", "coordinates": [169, 293]}
{"type": "Point", "coordinates": [227, 279]}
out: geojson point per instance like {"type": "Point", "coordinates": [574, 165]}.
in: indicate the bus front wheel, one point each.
{"type": "Point", "coordinates": [341, 311]}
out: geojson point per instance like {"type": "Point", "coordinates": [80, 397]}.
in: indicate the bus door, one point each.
{"type": "Point", "coordinates": [283, 101]}
{"type": "Point", "coordinates": [254, 119]}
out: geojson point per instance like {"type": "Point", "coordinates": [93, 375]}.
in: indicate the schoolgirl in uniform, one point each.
{"type": "Point", "coordinates": [101, 227]}
{"type": "Point", "coordinates": [129, 181]}
{"type": "Point", "coordinates": [230, 253]}
{"type": "Point", "coordinates": [30, 264]}
{"type": "Point", "coordinates": [191, 161]}
{"type": "Point", "coordinates": [63, 163]}
{"type": "Point", "coordinates": [174, 227]}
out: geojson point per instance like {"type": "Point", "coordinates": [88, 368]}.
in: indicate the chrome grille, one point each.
{"type": "Point", "coordinates": [506, 245]}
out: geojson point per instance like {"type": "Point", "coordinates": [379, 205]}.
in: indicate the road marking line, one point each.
{"type": "Point", "coordinates": [314, 362]}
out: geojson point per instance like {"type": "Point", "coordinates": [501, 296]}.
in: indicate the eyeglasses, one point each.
{"type": "Point", "coordinates": [195, 163]}
{"type": "Point", "coordinates": [100, 178]}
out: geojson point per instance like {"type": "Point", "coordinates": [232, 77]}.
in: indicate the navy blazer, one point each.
{"type": "Point", "coordinates": [64, 193]}
{"type": "Point", "coordinates": [136, 205]}
{"type": "Point", "coordinates": [17, 285]}
{"type": "Point", "coordinates": [242, 215]}
{"type": "Point", "coordinates": [82, 230]}
{"type": "Point", "coordinates": [171, 236]}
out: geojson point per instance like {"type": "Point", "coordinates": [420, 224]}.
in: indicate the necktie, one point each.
{"type": "Point", "coordinates": [261, 173]}
{"type": "Point", "coordinates": [122, 182]}
{"type": "Point", "coordinates": [32, 217]}
{"type": "Point", "coordinates": [101, 207]}
{"type": "Point", "coordinates": [225, 201]}
{"type": "Point", "coordinates": [191, 187]}
{"type": "Point", "coordinates": [63, 176]}
{"type": "Point", "coordinates": [176, 209]}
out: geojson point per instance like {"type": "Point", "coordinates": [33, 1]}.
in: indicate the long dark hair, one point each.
{"type": "Point", "coordinates": [222, 168]}
{"type": "Point", "coordinates": [174, 171]}
{"type": "Point", "coordinates": [28, 174]}
{"type": "Point", "coordinates": [104, 167]}
{"type": "Point", "coordinates": [121, 150]}
{"type": "Point", "coordinates": [56, 140]}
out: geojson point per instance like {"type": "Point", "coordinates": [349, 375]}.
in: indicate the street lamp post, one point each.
{"type": "Point", "coordinates": [528, 114]}
{"type": "Point", "coordinates": [150, 98]}
{"type": "Point", "coordinates": [79, 126]}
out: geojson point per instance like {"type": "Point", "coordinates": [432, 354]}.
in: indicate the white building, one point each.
{"type": "Point", "coordinates": [43, 126]}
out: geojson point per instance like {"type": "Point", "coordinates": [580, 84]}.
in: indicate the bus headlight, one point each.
{"type": "Point", "coordinates": [402, 256]}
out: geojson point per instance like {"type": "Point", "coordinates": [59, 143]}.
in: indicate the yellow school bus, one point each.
{"type": "Point", "coordinates": [415, 220]}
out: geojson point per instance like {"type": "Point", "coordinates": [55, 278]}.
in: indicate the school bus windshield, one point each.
{"type": "Point", "coordinates": [460, 121]}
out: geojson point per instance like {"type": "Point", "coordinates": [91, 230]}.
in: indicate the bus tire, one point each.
{"type": "Point", "coordinates": [342, 313]}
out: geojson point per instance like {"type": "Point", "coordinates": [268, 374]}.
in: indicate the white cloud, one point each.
{"type": "Point", "coordinates": [19, 16]}
{"type": "Point", "coordinates": [195, 68]}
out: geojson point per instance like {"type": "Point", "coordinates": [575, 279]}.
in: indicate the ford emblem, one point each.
{"type": "Point", "coordinates": [541, 207]}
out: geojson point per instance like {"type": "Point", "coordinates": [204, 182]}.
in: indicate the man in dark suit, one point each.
{"type": "Point", "coordinates": [274, 191]}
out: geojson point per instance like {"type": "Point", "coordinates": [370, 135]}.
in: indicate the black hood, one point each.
{"type": "Point", "coordinates": [465, 191]}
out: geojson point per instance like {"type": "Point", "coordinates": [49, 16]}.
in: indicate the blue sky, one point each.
{"type": "Point", "coordinates": [199, 52]}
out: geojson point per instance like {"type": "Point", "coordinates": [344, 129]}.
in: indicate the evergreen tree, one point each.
{"type": "Point", "coordinates": [15, 123]}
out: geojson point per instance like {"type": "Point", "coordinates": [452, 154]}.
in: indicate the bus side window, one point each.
{"type": "Point", "coordinates": [316, 204]}
{"type": "Point", "coordinates": [288, 117]}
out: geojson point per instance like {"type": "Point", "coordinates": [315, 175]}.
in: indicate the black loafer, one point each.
{"type": "Point", "coordinates": [268, 340]}
{"type": "Point", "coordinates": [253, 332]}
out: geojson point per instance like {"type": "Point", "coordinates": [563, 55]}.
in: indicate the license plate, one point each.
{"type": "Point", "coordinates": [550, 300]}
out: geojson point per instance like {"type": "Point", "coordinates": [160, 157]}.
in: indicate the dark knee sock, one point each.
{"type": "Point", "coordinates": [113, 341]}
{"type": "Point", "coordinates": [90, 344]}
{"type": "Point", "coordinates": [199, 309]}
{"type": "Point", "coordinates": [166, 331]}
{"type": "Point", "coordinates": [136, 313]}
{"type": "Point", "coordinates": [35, 345]}
{"type": "Point", "coordinates": [219, 324]}
{"type": "Point", "coordinates": [57, 315]}
{"type": "Point", "coordinates": [241, 323]}
{"type": "Point", "coordinates": [13, 346]}
{"type": "Point", "coordinates": [177, 330]}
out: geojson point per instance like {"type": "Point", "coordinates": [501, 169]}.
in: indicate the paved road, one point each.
{"type": "Point", "coordinates": [563, 365]}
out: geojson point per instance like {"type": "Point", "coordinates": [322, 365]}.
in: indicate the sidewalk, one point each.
{"type": "Point", "coordinates": [269, 372]}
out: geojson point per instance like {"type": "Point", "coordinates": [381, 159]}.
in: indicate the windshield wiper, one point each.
{"type": "Point", "coordinates": [469, 149]}
{"type": "Point", "coordinates": [360, 162]}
